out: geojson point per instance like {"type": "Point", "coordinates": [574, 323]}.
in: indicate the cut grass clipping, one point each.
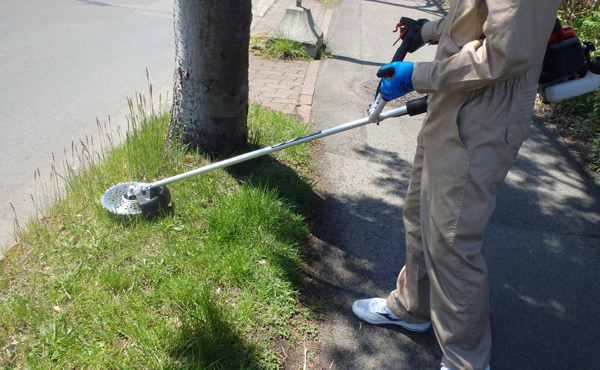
{"type": "Point", "coordinates": [212, 284]}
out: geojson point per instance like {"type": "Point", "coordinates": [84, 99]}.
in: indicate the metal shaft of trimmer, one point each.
{"type": "Point", "coordinates": [414, 107]}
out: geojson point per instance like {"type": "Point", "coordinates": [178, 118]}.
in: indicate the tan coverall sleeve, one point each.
{"type": "Point", "coordinates": [516, 34]}
{"type": "Point", "coordinates": [432, 31]}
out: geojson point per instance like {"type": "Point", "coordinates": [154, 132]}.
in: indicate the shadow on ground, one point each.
{"type": "Point", "coordinates": [542, 247]}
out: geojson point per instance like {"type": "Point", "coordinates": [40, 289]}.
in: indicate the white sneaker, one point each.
{"type": "Point", "coordinates": [375, 311]}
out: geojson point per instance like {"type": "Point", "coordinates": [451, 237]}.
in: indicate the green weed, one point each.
{"type": "Point", "coordinates": [281, 48]}
{"type": "Point", "coordinates": [256, 42]}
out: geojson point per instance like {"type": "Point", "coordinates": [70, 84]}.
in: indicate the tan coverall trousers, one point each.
{"type": "Point", "coordinates": [482, 87]}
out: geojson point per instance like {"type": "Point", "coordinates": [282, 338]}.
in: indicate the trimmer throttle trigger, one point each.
{"type": "Point", "coordinates": [403, 30]}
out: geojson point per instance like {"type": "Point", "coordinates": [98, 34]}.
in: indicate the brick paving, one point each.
{"type": "Point", "coordinates": [287, 86]}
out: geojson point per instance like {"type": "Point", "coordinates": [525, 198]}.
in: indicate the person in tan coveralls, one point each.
{"type": "Point", "coordinates": [482, 87]}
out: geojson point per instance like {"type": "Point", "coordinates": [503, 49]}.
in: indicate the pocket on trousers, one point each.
{"type": "Point", "coordinates": [518, 133]}
{"type": "Point", "coordinates": [514, 136]}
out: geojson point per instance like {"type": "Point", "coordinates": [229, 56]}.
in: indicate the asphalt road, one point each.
{"type": "Point", "coordinates": [63, 64]}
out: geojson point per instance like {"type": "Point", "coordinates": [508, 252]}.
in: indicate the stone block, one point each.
{"type": "Point", "coordinates": [298, 25]}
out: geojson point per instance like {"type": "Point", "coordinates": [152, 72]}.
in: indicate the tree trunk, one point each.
{"type": "Point", "coordinates": [210, 93]}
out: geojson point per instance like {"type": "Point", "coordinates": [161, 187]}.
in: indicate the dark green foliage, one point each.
{"type": "Point", "coordinates": [584, 17]}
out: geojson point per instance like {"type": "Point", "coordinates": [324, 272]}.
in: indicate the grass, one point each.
{"type": "Point", "coordinates": [285, 49]}
{"type": "Point", "coordinates": [213, 284]}
{"type": "Point", "coordinates": [278, 48]}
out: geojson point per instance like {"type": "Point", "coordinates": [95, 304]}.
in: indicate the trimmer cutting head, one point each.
{"type": "Point", "coordinates": [130, 199]}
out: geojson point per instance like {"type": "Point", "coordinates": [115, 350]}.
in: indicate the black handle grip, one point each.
{"type": "Point", "coordinates": [411, 38]}
{"type": "Point", "coordinates": [401, 52]}
{"type": "Point", "coordinates": [417, 106]}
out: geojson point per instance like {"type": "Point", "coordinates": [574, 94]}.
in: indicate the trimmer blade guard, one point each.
{"type": "Point", "coordinates": [122, 200]}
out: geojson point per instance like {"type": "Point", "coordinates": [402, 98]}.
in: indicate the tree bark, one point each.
{"type": "Point", "coordinates": [210, 93]}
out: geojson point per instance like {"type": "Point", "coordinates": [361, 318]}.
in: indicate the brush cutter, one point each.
{"type": "Point", "coordinates": [134, 198]}
{"type": "Point", "coordinates": [568, 69]}
{"type": "Point", "coordinates": [147, 199]}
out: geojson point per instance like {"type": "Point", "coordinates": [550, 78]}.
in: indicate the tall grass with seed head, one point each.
{"type": "Point", "coordinates": [213, 283]}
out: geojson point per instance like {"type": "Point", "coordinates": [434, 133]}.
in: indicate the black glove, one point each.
{"type": "Point", "coordinates": [413, 37]}
{"type": "Point", "coordinates": [412, 40]}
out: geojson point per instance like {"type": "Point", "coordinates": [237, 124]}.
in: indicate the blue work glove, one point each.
{"type": "Point", "coordinates": [396, 80]}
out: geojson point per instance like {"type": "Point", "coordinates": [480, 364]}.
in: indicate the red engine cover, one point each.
{"type": "Point", "coordinates": [561, 33]}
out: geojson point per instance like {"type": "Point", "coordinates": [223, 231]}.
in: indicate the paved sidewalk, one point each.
{"type": "Point", "coordinates": [542, 244]}
{"type": "Point", "coordinates": [287, 86]}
